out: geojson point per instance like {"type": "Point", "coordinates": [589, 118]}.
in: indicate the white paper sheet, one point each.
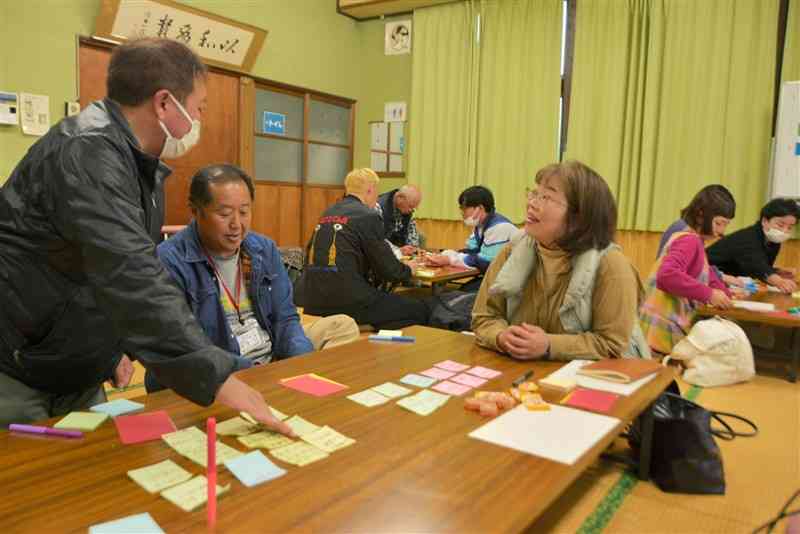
{"type": "Point", "coordinates": [753, 306]}
{"type": "Point", "coordinates": [562, 434]}
{"type": "Point", "coordinates": [570, 371]}
{"type": "Point", "coordinates": [35, 113]}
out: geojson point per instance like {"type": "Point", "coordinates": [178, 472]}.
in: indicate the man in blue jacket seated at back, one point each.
{"type": "Point", "coordinates": [234, 280]}
{"type": "Point", "coordinates": [491, 232]}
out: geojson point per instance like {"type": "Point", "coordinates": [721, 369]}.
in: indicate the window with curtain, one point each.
{"type": "Point", "coordinates": [485, 93]}
{"type": "Point", "coordinates": [671, 95]}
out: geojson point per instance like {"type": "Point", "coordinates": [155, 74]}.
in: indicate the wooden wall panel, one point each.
{"type": "Point", "coordinates": [290, 230]}
{"type": "Point", "coordinates": [315, 201]}
{"type": "Point", "coordinates": [265, 218]}
{"type": "Point", "coordinates": [276, 213]}
{"type": "Point", "coordinates": [219, 139]}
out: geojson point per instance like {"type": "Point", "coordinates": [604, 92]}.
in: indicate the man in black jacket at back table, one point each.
{"type": "Point", "coordinates": [397, 210]}
{"type": "Point", "coordinates": [80, 283]}
{"type": "Point", "coordinates": [348, 256]}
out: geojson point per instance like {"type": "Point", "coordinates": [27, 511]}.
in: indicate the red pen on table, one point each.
{"type": "Point", "coordinates": [211, 470]}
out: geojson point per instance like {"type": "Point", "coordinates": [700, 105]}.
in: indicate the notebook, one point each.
{"type": "Point", "coordinates": [624, 370]}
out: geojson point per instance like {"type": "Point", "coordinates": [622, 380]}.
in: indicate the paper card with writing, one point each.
{"type": "Point", "coordinates": [236, 426]}
{"type": "Point", "coordinates": [300, 425]}
{"type": "Point", "coordinates": [450, 365]}
{"type": "Point", "coordinates": [265, 440]}
{"type": "Point", "coordinates": [392, 390]}
{"type": "Point", "coordinates": [327, 439]}
{"type": "Point", "coordinates": [158, 477]}
{"type": "Point", "coordinates": [423, 403]}
{"type": "Point", "coordinates": [417, 380]}
{"type": "Point", "coordinates": [451, 388]}
{"type": "Point", "coordinates": [468, 380]}
{"type": "Point", "coordinates": [192, 494]}
{"type": "Point", "coordinates": [368, 398]}
{"type": "Point", "coordinates": [299, 454]}
{"type": "Point", "coordinates": [484, 372]}
{"type": "Point", "coordinates": [438, 374]}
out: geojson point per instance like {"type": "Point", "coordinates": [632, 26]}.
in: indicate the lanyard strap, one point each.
{"type": "Point", "coordinates": [234, 301]}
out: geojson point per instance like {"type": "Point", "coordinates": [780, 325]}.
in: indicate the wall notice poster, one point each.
{"type": "Point", "coordinates": [34, 113]}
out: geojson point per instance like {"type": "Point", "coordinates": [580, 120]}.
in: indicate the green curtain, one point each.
{"type": "Point", "coordinates": [671, 95]}
{"type": "Point", "coordinates": [791, 50]}
{"type": "Point", "coordinates": [442, 112]}
{"type": "Point", "coordinates": [518, 102]}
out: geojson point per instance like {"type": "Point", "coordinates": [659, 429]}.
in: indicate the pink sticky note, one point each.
{"type": "Point", "coordinates": [590, 399]}
{"type": "Point", "coordinates": [484, 372]}
{"type": "Point", "coordinates": [469, 380]}
{"type": "Point", "coordinates": [450, 388]}
{"type": "Point", "coordinates": [437, 373]}
{"type": "Point", "coordinates": [450, 365]}
{"type": "Point", "coordinates": [143, 427]}
{"type": "Point", "coordinates": [312, 386]}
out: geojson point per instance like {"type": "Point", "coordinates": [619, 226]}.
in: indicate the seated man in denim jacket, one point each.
{"type": "Point", "coordinates": [235, 281]}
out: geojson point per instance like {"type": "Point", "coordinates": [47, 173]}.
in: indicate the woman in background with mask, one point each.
{"type": "Point", "coordinates": [490, 234]}
{"type": "Point", "coordinates": [752, 251]}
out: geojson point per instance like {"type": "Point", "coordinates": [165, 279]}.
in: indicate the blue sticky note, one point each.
{"type": "Point", "coordinates": [418, 380]}
{"type": "Point", "coordinates": [133, 524]}
{"type": "Point", "coordinates": [254, 468]}
{"type": "Point", "coordinates": [117, 407]}
{"type": "Point", "coordinates": [797, 149]}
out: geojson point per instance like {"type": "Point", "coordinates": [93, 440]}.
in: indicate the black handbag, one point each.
{"type": "Point", "coordinates": [684, 457]}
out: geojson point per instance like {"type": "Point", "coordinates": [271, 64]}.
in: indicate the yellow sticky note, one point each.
{"type": "Point", "coordinates": [299, 453]}
{"type": "Point", "coordinates": [300, 425]}
{"type": "Point", "coordinates": [265, 440]}
{"type": "Point", "coordinates": [192, 494]}
{"type": "Point", "coordinates": [86, 421]}
{"type": "Point", "coordinates": [327, 439]}
{"type": "Point", "coordinates": [236, 426]}
{"type": "Point", "coordinates": [160, 476]}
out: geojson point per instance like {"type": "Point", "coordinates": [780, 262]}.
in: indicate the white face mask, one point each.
{"type": "Point", "coordinates": [174, 147]}
{"type": "Point", "coordinates": [776, 236]}
{"type": "Point", "coordinates": [472, 221]}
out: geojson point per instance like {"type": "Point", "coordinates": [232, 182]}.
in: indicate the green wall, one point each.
{"type": "Point", "coordinates": [309, 44]}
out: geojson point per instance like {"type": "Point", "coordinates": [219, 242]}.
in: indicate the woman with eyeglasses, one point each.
{"type": "Point", "coordinates": [563, 290]}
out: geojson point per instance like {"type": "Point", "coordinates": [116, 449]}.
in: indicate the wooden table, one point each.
{"type": "Point", "coordinates": [406, 473]}
{"type": "Point", "coordinates": [780, 318]}
{"type": "Point", "coordinates": [443, 275]}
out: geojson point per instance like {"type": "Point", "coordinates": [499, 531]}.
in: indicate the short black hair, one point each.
{"type": "Point", "coordinates": [220, 173]}
{"type": "Point", "coordinates": [141, 67]}
{"type": "Point", "coordinates": [711, 201]}
{"type": "Point", "coordinates": [780, 207]}
{"type": "Point", "coordinates": [477, 195]}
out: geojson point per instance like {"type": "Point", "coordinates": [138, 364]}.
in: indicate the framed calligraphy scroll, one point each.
{"type": "Point", "coordinates": [219, 41]}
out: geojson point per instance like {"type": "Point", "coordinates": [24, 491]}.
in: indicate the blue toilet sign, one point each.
{"type": "Point", "coordinates": [274, 123]}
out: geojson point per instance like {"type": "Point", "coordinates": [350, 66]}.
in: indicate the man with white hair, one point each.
{"type": "Point", "coordinates": [397, 210]}
{"type": "Point", "coordinates": [348, 257]}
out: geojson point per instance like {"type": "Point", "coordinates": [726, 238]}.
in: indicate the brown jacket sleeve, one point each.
{"type": "Point", "coordinates": [488, 314]}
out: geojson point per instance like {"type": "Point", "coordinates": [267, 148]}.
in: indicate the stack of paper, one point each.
{"type": "Point", "coordinates": [300, 425]}
{"type": "Point", "coordinates": [368, 398]}
{"type": "Point", "coordinates": [299, 454]}
{"type": "Point", "coordinates": [390, 390]}
{"type": "Point", "coordinates": [570, 372]}
{"type": "Point", "coordinates": [236, 427]}
{"type": "Point", "coordinates": [117, 407]}
{"type": "Point", "coordinates": [265, 440]}
{"type": "Point", "coordinates": [313, 384]}
{"type": "Point", "coordinates": [327, 439]}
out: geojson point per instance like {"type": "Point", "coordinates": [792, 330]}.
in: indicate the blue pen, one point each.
{"type": "Point", "coordinates": [402, 339]}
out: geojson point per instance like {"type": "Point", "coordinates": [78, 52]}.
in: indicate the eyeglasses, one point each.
{"type": "Point", "coordinates": [543, 198]}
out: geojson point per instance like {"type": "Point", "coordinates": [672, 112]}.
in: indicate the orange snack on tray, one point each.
{"type": "Point", "coordinates": [534, 402]}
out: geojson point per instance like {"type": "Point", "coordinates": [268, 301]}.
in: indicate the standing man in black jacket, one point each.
{"type": "Point", "coordinates": [80, 283]}
{"type": "Point", "coordinates": [349, 256]}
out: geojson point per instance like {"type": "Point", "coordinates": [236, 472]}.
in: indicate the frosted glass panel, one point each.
{"type": "Point", "coordinates": [288, 105]}
{"type": "Point", "coordinates": [396, 136]}
{"type": "Point", "coordinates": [329, 123]}
{"type": "Point", "coordinates": [278, 160]}
{"type": "Point", "coordinates": [327, 164]}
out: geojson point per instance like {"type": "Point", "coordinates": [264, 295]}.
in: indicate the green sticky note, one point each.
{"type": "Point", "coordinates": [86, 421]}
